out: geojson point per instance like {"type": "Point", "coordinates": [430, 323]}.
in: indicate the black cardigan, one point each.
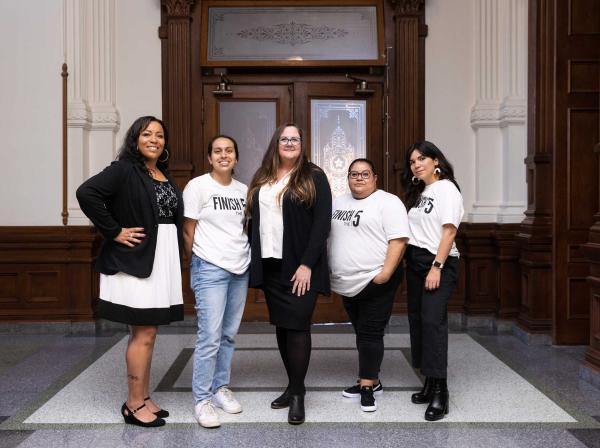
{"type": "Point", "coordinates": [305, 232]}
{"type": "Point", "coordinates": [123, 195]}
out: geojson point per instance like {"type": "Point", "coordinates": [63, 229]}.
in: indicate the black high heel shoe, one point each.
{"type": "Point", "coordinates": [438, 407]}
{"type": "Point", "coordinates": [296, 411]}
{"type": "Point", "coordinates": [282, 401]}
{"type": "Point", "coordinates": [424, 395]}
{"type": "Point", "coordinates": [161, 413]}
{"type": "Point", "coordinates": [130, 418]}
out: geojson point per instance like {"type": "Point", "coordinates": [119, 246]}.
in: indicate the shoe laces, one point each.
{"type": "Point", "coordinates": [227, 393]}
{"type": "Point", "coordinates": [208, 407]}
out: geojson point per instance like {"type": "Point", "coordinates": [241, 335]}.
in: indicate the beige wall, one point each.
{"type": "Point", "coordinates": [449, 87]}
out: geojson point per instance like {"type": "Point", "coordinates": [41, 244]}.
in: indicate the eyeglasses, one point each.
{"type": "Point", "coordinates": [355, 174]}
{"type": "Point", "coordinates": [289, 140]}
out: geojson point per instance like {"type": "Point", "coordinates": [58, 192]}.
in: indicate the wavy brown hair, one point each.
{"type": "Point", "coordinates": [301, 186]}
{"type": "Point", "coordinates": [412, 192]}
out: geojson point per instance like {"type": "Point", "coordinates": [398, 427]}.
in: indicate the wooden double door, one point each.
{"type": "Point", "coordinates": [338, 124]}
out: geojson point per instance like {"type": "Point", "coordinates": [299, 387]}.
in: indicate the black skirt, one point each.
{"type": "Point", "coordinates": [286, 310]}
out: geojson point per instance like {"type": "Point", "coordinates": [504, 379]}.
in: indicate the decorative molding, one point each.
{"type": "Point", "coordinates": [501, 67]}
{"type": "Point", "coordinates": [178, 8]}
{"type": "Point", "coordinates": [408, 7]}
{"type": "Point", "coordinates": [511, 111]}
{"type": "Point", "coordinates": [104, 117]}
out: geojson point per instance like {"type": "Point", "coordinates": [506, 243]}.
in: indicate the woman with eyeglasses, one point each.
{"type": "Point", "coordinates": [289, 211]}
{"type": "Point", "coordinates": [435, 209]}
{"type": "Point", "coordinates": [369, 232]}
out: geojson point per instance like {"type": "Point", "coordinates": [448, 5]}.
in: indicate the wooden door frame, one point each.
{"type": "Point", "coordinates": [183, 78]}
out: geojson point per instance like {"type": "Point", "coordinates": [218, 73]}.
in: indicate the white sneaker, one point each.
{"type": "Point", "coordinates": [206, 414]}
{"type": "Point", "coordinates": [225, 400]}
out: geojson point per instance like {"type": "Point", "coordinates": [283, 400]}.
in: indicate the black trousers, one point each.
{"type": "Point", "coordinates": [428, 312]}
{"type": "Point", "coordinates": [370, 312]}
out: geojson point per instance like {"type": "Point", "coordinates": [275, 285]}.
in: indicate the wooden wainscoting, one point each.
{"type": "Point", "coordinates": [46, 273]}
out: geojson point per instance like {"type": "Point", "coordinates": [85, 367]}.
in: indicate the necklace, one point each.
{"type": "Point", "coordinates": [152, 172]}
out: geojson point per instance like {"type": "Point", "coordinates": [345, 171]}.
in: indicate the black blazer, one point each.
{"type": "Point", "coordinates": [123, 195]}
{"type": "Point", "coordinates": [305, 232]}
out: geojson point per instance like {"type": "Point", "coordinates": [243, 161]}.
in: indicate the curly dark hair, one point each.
{"type": "Point", "coordinates": [129, 149]}
{"type": "Point", "coordinates": [412, 191]}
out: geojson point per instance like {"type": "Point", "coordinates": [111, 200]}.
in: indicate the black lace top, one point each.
{"type": "Point", "coordinates": [166, 200]}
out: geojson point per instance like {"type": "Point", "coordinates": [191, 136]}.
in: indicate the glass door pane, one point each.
{"type": "Point", "coordinates": [339, 135]}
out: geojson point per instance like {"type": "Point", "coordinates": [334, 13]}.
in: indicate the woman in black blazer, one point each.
{"type": "Point", "coordinates": [138, 209]}
{"type": "Point", "coordinates": [289, 207]}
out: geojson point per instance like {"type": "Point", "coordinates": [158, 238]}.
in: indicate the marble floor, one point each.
{"type": "Point", "coordinates": [65, 390]}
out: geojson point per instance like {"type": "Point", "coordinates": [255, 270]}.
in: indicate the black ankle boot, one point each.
{"type": "Point", "coordinates": [438, 406]}
{"type": "Point", "coordinates": [282, 401]}
{"type": "Point", "coordinates": [424, 396]}
{"type": "Point", "coordinates": [296, 412]}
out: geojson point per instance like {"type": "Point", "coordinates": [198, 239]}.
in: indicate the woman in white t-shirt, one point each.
{"type": "Point", "coordinates": [435, 209]}
{"type": "Point", "coordinates": [218, 247]}
{"type": "Point", "coordinates": [369, 232]}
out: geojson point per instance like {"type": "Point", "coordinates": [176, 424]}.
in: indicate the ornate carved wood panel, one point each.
{"type": "Point", "coordinates": [535, 235]}
{"type": "Point", "coordinates": [592, 251]}
{"type": "Point", "coordinates": [46, 273]}
{"type": "Point", "coordinates": [575, 174]}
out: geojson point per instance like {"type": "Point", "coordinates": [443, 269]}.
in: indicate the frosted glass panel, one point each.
{"type": "Point", "coordinates": [339, 135]}
{"type": "Point", "coordinates": [252, 124]}
{"type": "Point", "coordinates": [292, 33]}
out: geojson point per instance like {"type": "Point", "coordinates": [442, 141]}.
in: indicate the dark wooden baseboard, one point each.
{"type": "Point", "coordinates": [46, 273]}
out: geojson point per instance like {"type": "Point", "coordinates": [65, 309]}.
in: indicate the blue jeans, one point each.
{"type": "Point", "coordinates": [220, 299]}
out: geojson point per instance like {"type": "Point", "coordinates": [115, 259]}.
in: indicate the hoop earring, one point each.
{"type": "Point", "coordinates": [415, 180]}
{"type": "Point", "coordinates": [163, 161]}
{"type": "Point", "coordinates": [437, 171]}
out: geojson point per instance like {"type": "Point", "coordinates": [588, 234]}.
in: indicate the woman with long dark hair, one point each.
{"type": "Point", "coordinates": [435, 209]}
{"type": "Point", "coordinates": [136, 206]}
{"type": "Point", "coordinates": [289, 211]}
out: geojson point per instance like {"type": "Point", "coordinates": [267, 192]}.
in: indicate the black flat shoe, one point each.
{"type": "Point", "coordinates": [282, 401]}
{"type": "Point", "coordinates": [296, 412]}
{"type": "Point", "coordinates": [438, 407]}
{"type": "Point", "coordinates": [161, 413]}
{"type": "Point", "coordinates": [424, 396]}
{"type": "Point", "coordinates": [130, 418]}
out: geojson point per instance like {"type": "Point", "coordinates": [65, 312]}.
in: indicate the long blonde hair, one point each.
{"type": "Point", "coordinates": [300, 186]}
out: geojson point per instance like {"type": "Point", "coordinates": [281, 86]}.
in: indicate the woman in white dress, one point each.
{"type": "Point", "coordinates": [136, 206]}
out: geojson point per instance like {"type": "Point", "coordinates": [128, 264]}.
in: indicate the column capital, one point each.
{"type": "Point", "coordinates": [178, 8]}
{"type": "Point", "coordinates": [408, 7]}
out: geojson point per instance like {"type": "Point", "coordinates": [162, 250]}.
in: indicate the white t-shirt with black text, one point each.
{"type": "Point", "coordinates": [219, 237]}
{"type": "Point", "coordinates": [441, 203]}
{"type": "Point", "coordinates": [358, 241]}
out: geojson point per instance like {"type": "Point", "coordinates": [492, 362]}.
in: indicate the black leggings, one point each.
{"type": "Point", "coordinates": [370, 312]}
{"type": "Point", "coordinates": [294, 348]}
{"type": "Point", "coordinates": [428, 312]}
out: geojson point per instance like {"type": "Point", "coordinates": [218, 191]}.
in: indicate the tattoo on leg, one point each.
{"type": "Point", "coordinates": [132, 377]}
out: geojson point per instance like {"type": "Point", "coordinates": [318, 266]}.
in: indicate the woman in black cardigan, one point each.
{"type": "Point", "coordinates": [138, 209]}
{"type": "Point", "coordinates": [289, 206]}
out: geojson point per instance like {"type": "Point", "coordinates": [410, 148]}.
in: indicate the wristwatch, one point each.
{"type": "Point", "coordinates": [437, 264]}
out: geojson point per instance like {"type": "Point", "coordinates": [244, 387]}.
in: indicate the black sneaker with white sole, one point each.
{"type": "Point", "coordinates": [354, 391]}
{"type": "Point", "coordinates": [367, 400]}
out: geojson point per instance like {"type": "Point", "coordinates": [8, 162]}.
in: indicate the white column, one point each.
{"type": "Point", "coordinates": [93, 118]}
{"type": "Point", "coordinates": [498, 116]}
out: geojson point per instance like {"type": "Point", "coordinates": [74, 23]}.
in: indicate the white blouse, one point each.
{"type": "Point", "coordinates": [271, 218]}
